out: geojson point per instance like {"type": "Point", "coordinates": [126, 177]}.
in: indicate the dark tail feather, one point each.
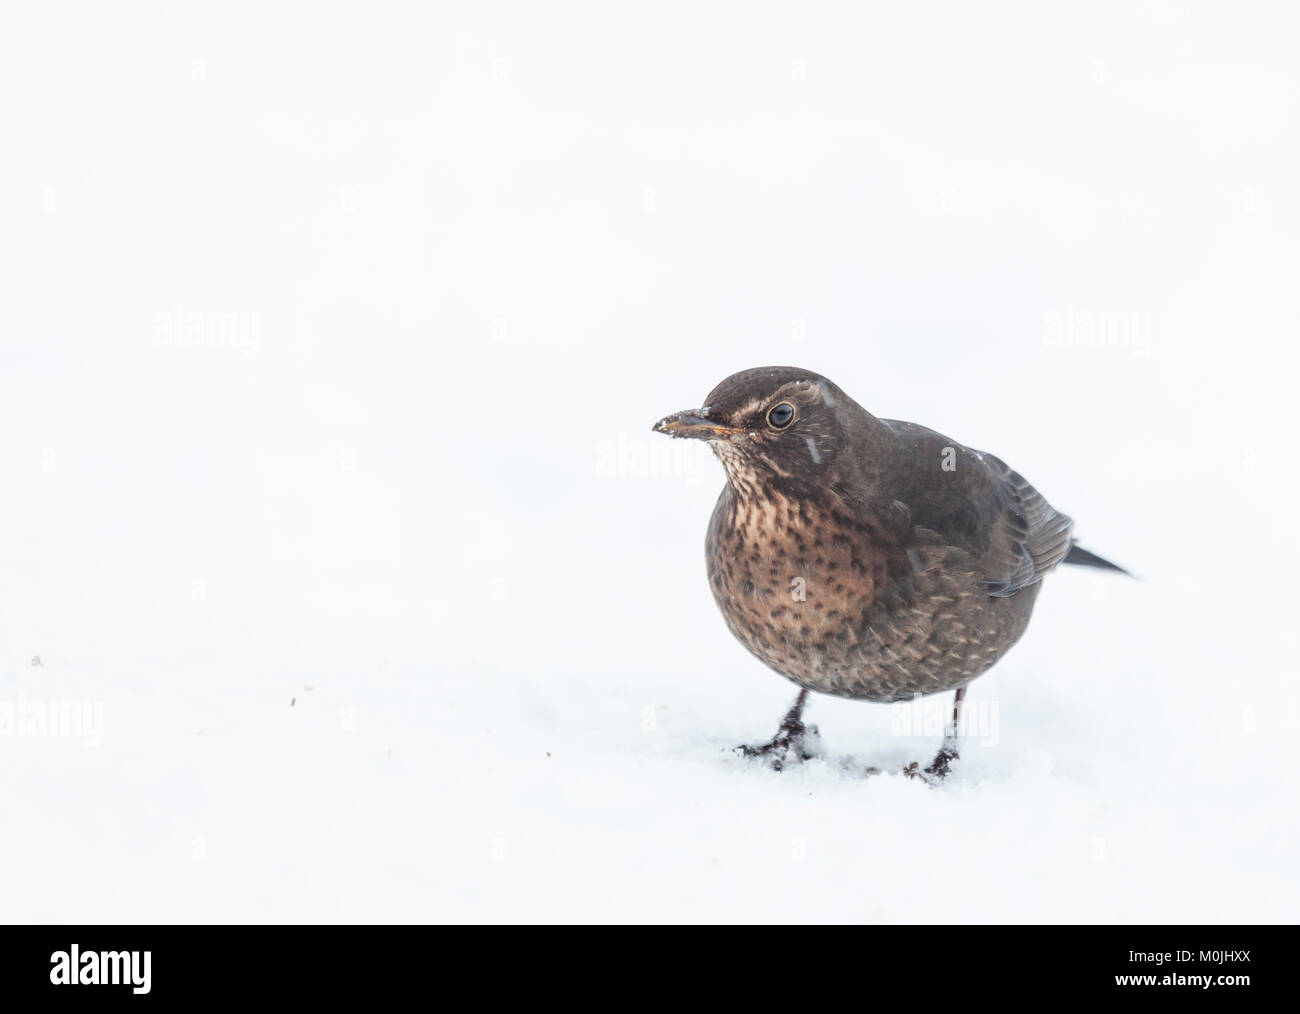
{"type": "Point", "coordinates": [1082, 558]}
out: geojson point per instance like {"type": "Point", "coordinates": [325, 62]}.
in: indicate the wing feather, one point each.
{"type": "Point", "coordinates": [981, 506]}
{"type": "Point", "coordinates": [1028, 536]}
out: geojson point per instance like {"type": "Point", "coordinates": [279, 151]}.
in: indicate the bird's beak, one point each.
{"type": "Point", "coordinates": [696, 424]}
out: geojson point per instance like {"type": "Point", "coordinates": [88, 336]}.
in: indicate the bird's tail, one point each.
{"type": "Point", "coordinates": [1082, 558]}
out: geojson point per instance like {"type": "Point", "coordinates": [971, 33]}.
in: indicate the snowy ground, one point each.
{"type": "Point", "coordinates": [378, 600]}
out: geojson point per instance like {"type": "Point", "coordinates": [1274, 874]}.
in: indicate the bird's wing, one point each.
{"type": "Point", "coordinates": [980, 505]}
{"type": "Point", "coordinates": [1028, 536]}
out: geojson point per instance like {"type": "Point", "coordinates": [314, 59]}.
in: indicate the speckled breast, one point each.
{"type": "Point", "coordinates": [815, 596]}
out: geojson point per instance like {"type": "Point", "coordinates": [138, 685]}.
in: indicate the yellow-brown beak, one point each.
{"type": "Point", "coordinates": [694, 423]}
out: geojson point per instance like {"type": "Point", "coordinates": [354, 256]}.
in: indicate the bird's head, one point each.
{"type": "Point", "coordinates": [775, 426]}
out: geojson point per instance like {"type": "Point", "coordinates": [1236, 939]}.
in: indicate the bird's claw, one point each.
{"type": "Point", "coordinates": [938, 769]}
{"type": "Point", "coordinates": [793, 744]}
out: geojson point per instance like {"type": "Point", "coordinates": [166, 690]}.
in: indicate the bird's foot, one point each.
{"type": "Point", "coordinates": [938, 769]}
{"type": "Point", "coordinates": [793, 744]}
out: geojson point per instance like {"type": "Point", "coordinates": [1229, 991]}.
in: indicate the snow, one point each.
{"type": "Point", "coordinates": [392, 608]}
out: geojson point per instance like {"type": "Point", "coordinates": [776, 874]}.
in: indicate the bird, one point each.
{"type": "Point", "coordinates": [866, 558]}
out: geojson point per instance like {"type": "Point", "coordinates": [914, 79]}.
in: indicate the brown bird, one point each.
{"type": "Point", "coordinates": [862, 557]}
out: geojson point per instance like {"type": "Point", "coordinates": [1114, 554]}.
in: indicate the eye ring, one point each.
{"type": "Point", "coordinates": [780, 416]}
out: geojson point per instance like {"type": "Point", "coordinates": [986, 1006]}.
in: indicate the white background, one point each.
{"type": "Point", "coordinates": [394, 609]}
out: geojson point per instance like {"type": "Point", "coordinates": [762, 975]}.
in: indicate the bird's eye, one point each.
{"type": "Point", "coordinates": [780, 416]}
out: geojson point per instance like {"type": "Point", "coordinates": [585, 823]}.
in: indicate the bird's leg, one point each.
{"type": "Point", "coordinates": [948, 749]}
{"type": "Point", "coordinates": [793, 741]}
